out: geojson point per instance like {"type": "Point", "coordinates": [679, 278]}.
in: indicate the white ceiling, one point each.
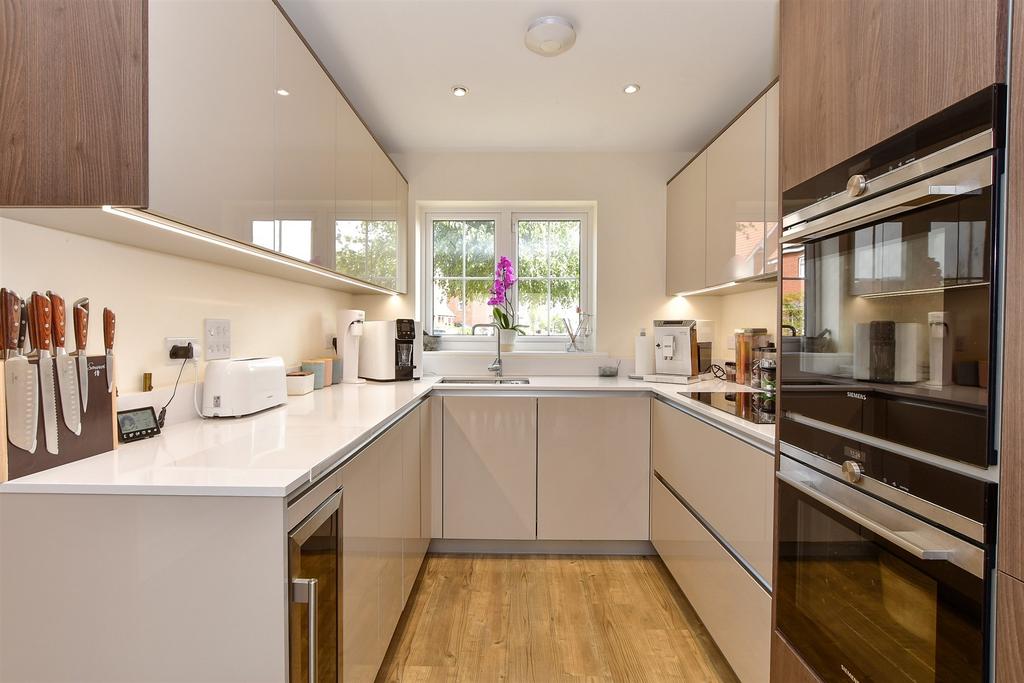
{"type": "Point", "coordinates": [697, 62]}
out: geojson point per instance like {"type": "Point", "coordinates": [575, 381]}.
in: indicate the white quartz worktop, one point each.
{"type": "Point", "coordinates": [277, 452]}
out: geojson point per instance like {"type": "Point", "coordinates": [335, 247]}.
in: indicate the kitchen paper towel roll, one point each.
{"type": "Point", "coordinates": [644, 355]}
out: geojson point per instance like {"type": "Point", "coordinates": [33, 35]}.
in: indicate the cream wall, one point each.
{"type": "Point", "coordinates": [155, 296]}
{"type": "Point", "coordinates": [629, 192]}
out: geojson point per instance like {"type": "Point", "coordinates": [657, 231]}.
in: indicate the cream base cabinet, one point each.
{"type": "Point", "coordinates": [728, 482]}
{"type": "Point", "coordinates": [380, 497]}
{"type": "Point", "coordinates": [593, 468]}
{"type": "Point", "coordinates": [735, 608]}
{"type": "Point", "coordinates": [490, 468]}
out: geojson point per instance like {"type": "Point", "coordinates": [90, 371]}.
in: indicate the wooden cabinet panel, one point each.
{"type": "Point", "coordinates": [729, 483]}
{"type": "Point", "coordinates": [686, 228]}
{"type": "Point", "coordinates": [212, 155]}
{"type": "Point", "coordinates": [787, 667]}
{"type": "Point", "coordinates": [304, 147]}
{"type": "Point", "coordinates": [361, 567]}
{"type": "Point", "coordinates": [593, 468]}
{"type": "Point", "coordinates": [1009, 629]}
{"type": "Point", "coordinates": [490, 468]}
{"type": "Point", "coordinates": [734, 607]}
{"type": "Point", "coordinates": [1011, 451]}
{"type": "Point", "coordinates": [73, 85]}
{"type": "Point", "coordinates": [855, 72]}
{"type": "Point", "coordinates": [735, 199]}
{"type": "Point", "coordinates": [772, 194]}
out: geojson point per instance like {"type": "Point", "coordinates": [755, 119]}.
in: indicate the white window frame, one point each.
{"type": "Point", "coordinates": [506, 239]}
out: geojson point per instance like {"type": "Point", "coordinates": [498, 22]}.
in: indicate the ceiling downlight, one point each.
{"type": "Point", "coordinates": [460, 90]}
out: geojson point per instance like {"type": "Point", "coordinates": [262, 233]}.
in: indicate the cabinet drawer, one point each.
{"type": "Point", "coordinates": [728, 482]}
{"type": "Point", "coordinates": [733, 606]}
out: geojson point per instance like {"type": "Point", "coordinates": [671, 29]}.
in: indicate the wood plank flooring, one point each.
{"type": "Point", "coordinates": [478, 618]}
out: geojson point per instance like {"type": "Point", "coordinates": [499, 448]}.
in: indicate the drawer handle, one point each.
{"type": "Point", "coordinates": [304, 591]}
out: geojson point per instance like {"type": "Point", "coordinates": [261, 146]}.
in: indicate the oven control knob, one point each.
{"type": "Point", "coordinates": [853, 471]}
{"type": "Point", "coordinates": [856, 185]}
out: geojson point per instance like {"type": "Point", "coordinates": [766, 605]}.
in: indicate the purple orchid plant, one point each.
{"type": "Point", "coordinates": [504, 279]}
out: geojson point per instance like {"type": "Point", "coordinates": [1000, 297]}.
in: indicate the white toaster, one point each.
{"type": "Point", "coordinates": [242, 386]}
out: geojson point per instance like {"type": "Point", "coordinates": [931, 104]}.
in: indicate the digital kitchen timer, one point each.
{"type": "Point", "coordinates": [136, 424]}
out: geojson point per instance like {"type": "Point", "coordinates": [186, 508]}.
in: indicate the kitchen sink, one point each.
{"type": "Point", "coordinates": [484, 380]}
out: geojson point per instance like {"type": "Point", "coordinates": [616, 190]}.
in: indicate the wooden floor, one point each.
{"type": "Point", "coordinates": [480, 618]}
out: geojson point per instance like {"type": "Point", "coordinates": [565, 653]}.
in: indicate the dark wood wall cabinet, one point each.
{"type": "Point", "coordinates": [73, 109]}
{"type": "Point", "coordinates": [855, 72]}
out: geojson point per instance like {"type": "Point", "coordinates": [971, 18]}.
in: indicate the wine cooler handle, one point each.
{"type": "Point", "coordinates": [304, 591]}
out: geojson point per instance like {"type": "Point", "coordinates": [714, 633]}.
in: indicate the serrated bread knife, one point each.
{"type": "Point", "coordinates": [40, 324]}
{"type": "Point", "coordinates": [67, 373]}
{"type": "Point", "coordinates": [80, 315]}
{"type": "Point", "coordinates": [20, 377]}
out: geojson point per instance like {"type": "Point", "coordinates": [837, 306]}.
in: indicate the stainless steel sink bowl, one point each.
{"type": "Point", "coordinates": [484, 380]}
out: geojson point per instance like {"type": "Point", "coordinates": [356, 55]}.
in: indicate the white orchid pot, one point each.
{"type": "Point", "coordinates": [507, 339]}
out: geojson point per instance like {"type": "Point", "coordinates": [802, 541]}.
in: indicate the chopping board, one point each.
{"type": "Point", "coordinates": [98, 435]}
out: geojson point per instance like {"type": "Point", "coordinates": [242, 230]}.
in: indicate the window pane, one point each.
{"type": "Point", "coordinates": [533, 307]}
{"type": "Point", "coordinates": [479, 248]}
{"type": "Point", "coordinates": [447, 246]}
{"type": "Point", "coordinates": [477, 310]}
{"type": "Point", "coordinates": [564, 249]}
{"type": "Point", "coordinates": [297, 239]}
{"type": "Point", "coordinates": [448, 318]}
{"type": "Point", "coordinates": [532, 253]}
{"type": "Point", "coordinates": [350, 247]}
{"type": "Point", "coordinates": [565, 299]}
{"type": "Point", "coordinates": [263, 234]}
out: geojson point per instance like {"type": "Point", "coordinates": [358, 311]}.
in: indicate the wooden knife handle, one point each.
{"type": "Point", "coordinates": [81, 314]}
{"type": "Point", "coordinates": [41, 322]}
{"type": "Point", "coordinates": [108, 328]}
{"type": "Point", "coordinates": [59, 319]}
{"type": "Point", "coordinates": [10, 316]}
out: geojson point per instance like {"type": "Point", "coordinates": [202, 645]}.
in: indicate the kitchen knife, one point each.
{"type": "Point", "coordinates": [20, 376]}
{"type": "Point", "coordinates": [23, 347]}
{"type": "Point", "coordinates": [80, 314]}
{"type": "Point", "coordinates": [108, 344]}
{"type": "Point", "coordinates": [41, 320]}
{"type": "Point", "coordinates": [67, 373]}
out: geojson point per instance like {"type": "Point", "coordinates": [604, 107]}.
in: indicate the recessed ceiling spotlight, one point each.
{"type": "Point", "coordinates": [631, 88]}
{"type": "Point", "coordinates": [282, 92]}
{"type": "Point", "coordinates": [550, 36]}
{"type": "Point", "coordinates": [460, 91]}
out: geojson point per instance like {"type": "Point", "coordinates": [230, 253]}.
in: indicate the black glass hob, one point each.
{"type": "Point", "coordinates": [754, 406]}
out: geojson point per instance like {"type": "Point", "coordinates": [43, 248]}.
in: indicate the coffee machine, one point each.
{"type": "Point", "coordinates": [391, 350]}
{"type": "Point", "coordinates": [683, 347]}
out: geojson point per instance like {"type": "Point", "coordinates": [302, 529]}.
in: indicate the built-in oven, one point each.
{"type": "Point", "coordinates": [886, 403]}
{"type": "Point", "coordinates": [315, 583]}
{"type": "Point", "coordinates": [868, 592]}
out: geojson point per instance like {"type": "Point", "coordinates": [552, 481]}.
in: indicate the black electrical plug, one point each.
{"type": "Point", "coordinates": [182, 352]}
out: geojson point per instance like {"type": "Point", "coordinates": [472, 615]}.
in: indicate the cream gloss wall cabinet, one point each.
{"type": "Point", "coordinates": [686, 232]}
{"type": "Point", "coordinates": [593, 468]}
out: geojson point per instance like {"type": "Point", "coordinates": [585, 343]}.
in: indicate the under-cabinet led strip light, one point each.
{"type": "Point", "coordinates": [169, 226]}
{"type": "Point", "coordinates": [928, 290]}
{"type": "Point", "coordinates": [707, 289]}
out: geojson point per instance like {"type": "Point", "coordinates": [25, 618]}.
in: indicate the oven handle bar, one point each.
{"type": "Point", "coordinates": [305, 591]}
{"type": "Point", "coordinates": [894, 537]}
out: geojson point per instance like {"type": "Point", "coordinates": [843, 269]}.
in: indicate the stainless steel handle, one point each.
{"type": "Point", "coordinates": [885, 532]}
{"type": "Point", "coordinates": [304, 591]}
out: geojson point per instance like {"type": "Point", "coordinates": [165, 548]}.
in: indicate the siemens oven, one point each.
{"type": "Point", "coordinates": [887, 402]}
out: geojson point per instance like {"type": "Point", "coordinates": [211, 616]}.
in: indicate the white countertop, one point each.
{"type": "Point", "coordinates": [278, 451]}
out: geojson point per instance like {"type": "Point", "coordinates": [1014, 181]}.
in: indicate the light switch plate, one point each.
{"type": "Point", "coordinates": [217, 338]}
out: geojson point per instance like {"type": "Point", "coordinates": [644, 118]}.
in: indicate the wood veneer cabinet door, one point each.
{"type": "Point", "coordinates": [1009, 626]}
{"type": "Point", "coordinates": [787, 667]}
{"type": "Point", "coordinates": [735, 199]}
{"type": "Point", "coordinates": [490, 468]}
{"type": "Point", "coordinates": [855, 72]}
{"type": "Point", "coordinates": [211, 113]}
{"type": "Point", "coordinates": [73, 85]}
{"type": "Point", "coordinates": [686, 228]}
{"type": "Point", "coordinates": [593, 468]}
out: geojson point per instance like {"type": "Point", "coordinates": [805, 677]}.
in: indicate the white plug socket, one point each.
{"type": "Point", "coordinates": [197, 350]}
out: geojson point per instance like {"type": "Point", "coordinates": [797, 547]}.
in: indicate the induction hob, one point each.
{"type": "Point", "coordinates": [753, 406]}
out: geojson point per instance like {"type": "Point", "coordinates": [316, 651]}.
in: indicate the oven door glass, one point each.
{"type": "Point", "coordinates": [858, 608]}
{"type": "Point", "coordinates": [889, 326]}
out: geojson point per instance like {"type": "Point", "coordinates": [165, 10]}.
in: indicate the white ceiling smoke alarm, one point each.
{"type": "Point", "coordinates": [550, 36]}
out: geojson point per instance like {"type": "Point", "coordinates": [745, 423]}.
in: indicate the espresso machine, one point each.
{"type": "Point", "coordinates": [682, 349]}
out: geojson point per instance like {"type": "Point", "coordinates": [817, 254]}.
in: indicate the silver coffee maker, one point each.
{"type": "Point", "coordinates": [683, 347]}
